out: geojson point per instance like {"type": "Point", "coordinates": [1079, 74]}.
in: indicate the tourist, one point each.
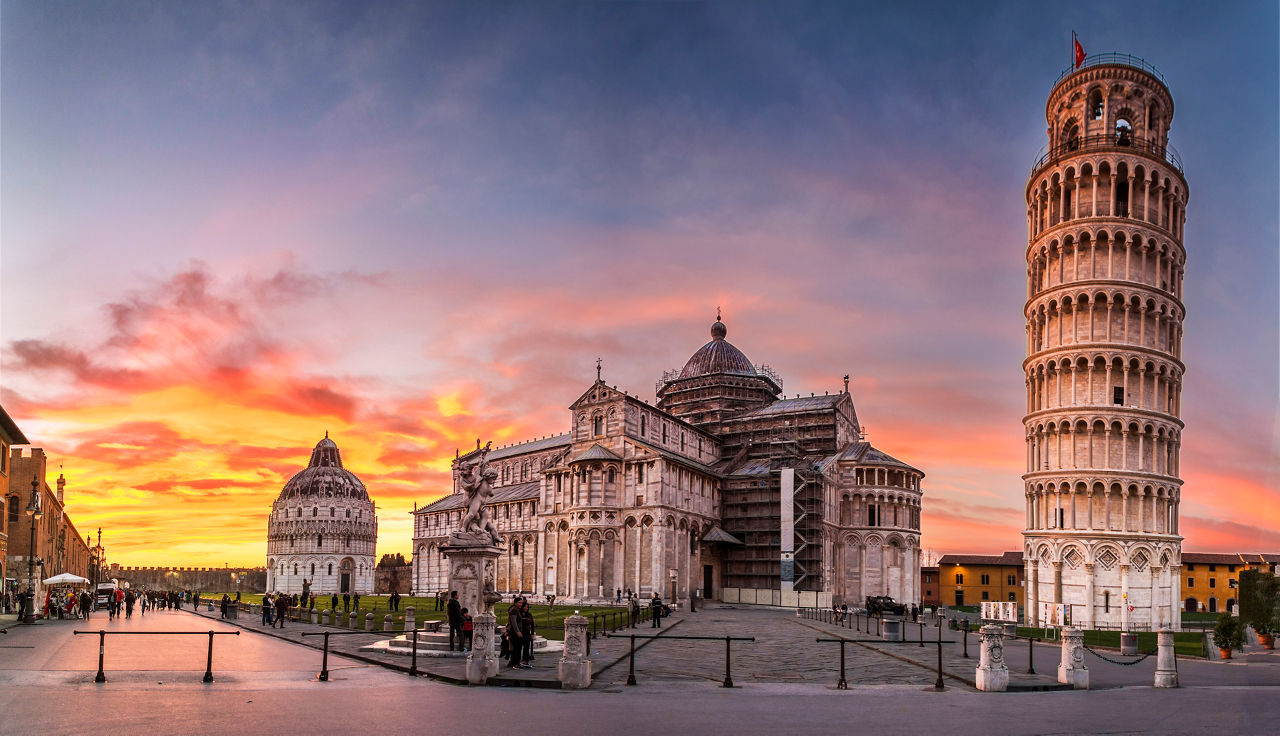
{"type": "Point", "coordinates": [515, 633]}
{"type": "Point", "coordinates": [86, 603]}
{"type": "Point", "coordinates": [282, 609]}
{"type": "Point", "coordinates": [439, 599]}
{"type": "Point", "coordinates": [129, 600]}
{"type": "Point", "coordinates": [453, 612]}
{"type": "Point", "coordinates": [394, 600]}
{"type": "Point", "coordinates": [633, 607]}
{"type": "Point", "coordinates": [526, 615]}
{"type": "Point", "coordinates": [346, 602]}
{"type": "Point", "coordinates": [618, 597]}
{"type": "Point", "coordinates": [655, 606]}
{"type": "Point", "coordinates": [468, 628]}
{"type": "Point", "coordinates": [333, 603]}
{"type": "Point", "coordinates": [267, 606]}
{"type": "Point", "coordinates": [355, 601]}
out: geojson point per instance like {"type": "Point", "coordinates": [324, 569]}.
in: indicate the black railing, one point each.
{"type": "Point", "coordinates": [102, 646]}
{"type": "Point", "coordinates": [324, 658]}
{"type": "Point", "coordinates": [1112, 57]}
{"type": "Point", "coordinates": [1109, 141]}
{"type": "Point", "coordinates": [842, 684]}
{"type": "Point", "coordinates": [728, 640]}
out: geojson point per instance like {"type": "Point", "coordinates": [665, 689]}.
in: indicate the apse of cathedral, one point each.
{"type": "Point", "coordinates": [722, 489]}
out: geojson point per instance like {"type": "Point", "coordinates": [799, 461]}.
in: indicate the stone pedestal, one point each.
{"type": "Point", "coordinates": [1071, 669]}
{"type": "Point", "coordinates": [1166, 667]}
{"type": "Point", "coordinates": [891, 629]}
{"type": "Point", "coordinates": [388, 622]}
{"type": "Point", "coordinates": [1129, 644]}
{"type": "Point", "coordinates": [352, 619]}
{"type": "Point", "coordinates": [368, 622]}
{"type": "Point", "coordinates": [1010, 629]}
{"type": "Point", "coordinates": [574, 668]}
{"type": "Point", "coordinates": [315, 616]}
{"type": "Point", "coordinates": [410, 622]}
{"type": "Point", "coordinates": [473, 574]}
{"type": "Point", "coordinates": [992, 674]}
{"type": "Point", "coordinates": [324, 617]}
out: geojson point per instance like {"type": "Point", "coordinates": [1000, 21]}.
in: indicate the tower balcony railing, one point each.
{"type": "Point", "coordinates": [1113, 58]}
{"type": "Point", "coordinates": [1121, 142]}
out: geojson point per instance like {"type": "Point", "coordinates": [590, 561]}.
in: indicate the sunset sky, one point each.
{"type": "Point", "coordinates": [229, 229]}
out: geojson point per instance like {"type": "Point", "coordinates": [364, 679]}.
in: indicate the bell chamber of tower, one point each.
{"type": "Point", "coordinates": [1105, 260]}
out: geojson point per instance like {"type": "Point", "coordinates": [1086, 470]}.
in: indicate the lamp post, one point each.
{"type": "Point", "coordinates": [33, 510]}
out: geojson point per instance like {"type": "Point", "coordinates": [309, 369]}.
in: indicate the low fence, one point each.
{"type": "Point", "coordinates": [102, 646]}
{"type": "Point", "coordinates": [728, 653]}
{"type": "Point", "coordinates": [779, 598]}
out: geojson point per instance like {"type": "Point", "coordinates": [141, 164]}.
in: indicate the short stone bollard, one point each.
{"type": "Point", "coordinates": [388, 622]}
{"type": "Point", "coordinates": [1129, 644]}
{"type": "Point", "coordinates": [1010, 629]}
{"type": "Point", "coordinates": [1071, 670]}
{"type": "Point", "coordinates": [992, 674]}
{"type": "Point", "coordinates": [409, 622]}
{"type": "Point", "coordinates": [324, 617]}
{"type": "Point", "coordinates": [574, 668]}
{"type": "Point", "coordinates": [353, 619]}
{"type": "Point", "coordinates": [315, 616]}
{"type": "Point", "coordinates": [1166, 662]}
{"type": "Point", "coordinates": [368, 622]}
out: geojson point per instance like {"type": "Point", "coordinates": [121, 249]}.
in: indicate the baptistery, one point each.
{"type": "Point", "coordinates": [323, 530]}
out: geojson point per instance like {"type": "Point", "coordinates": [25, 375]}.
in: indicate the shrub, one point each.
{"type": "Point", "coordinates": [1228, 633]}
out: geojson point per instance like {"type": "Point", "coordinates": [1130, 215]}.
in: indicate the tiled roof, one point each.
{"type": "Point", "coordinates": [546, 443]}
{"type": "Point", "coordinates": [719, 535]}
{"type": "Point", "coordinates": [517, 492]}
{"type": "Point", "coordinates": [1217, 558]}
{"type": "Point", "coordinates": [1008, 558]}
{"type": "Point", "coordinates": [10, 430]}
{"type": "Point", "coordinates": [803, 403]}
{"type": "Point", "coordinates": [864, 453]}
{"type": "Point", "coordinates": [674, 457]}
{"type": "Point", "coordinates": [597, 452]}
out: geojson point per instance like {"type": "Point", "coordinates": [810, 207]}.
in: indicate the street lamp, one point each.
{"type": "Point", "coordinates": [34, 511]}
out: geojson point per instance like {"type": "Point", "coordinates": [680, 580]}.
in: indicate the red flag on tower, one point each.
{"type": "Point", "coordinates": [1078, 49]}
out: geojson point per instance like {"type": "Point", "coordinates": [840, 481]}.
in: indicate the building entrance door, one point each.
{"type": "Point", "coordinates": [708, 577]}
{"type": "Point", "coordinates": [345, 570]}
{"type": "Point", "coordinates": [959, 597]}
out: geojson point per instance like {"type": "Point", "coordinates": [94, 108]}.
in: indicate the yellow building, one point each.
{"type": "Point", "coordinates": [1209, 580]}
{"type": "Point", "coordinates": [968, 580]}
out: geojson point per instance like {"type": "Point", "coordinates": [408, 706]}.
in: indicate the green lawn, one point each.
{"type": "Point", "coordinates": [548, 622]}
{"type": "Point", "coordinates": [1184, 642]}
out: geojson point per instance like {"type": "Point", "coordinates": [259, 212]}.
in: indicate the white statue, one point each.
{"type": "Point", "coordinates": [476, 479]}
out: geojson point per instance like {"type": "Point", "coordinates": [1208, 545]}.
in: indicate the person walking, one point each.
{"type": "Point", "coordinates": [655, 607]}
{"type": "Point", "coordinates": [453, 612]}
{"type": "Point", "coordinates": [346, 603]}
{"type": "Point", "coordinates": [86, 604]}
{"type": "Point", "coordinates": [633, 607]}
{"type": "Point", "coordinates": [515, 635]}
{"type": "Point", "coordinates": [355, 601]}
{"type": "Point", "coordinates": [618, 598]}
{"type": "Point", "coordinates": [225, 604]}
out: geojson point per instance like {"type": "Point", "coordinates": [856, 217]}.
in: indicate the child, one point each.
{"type": "Point", "coordinates": [468, 628]}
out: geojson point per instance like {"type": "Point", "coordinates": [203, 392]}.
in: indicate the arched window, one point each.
{"type": "Point", "coordinates": [639, 474]}
{"type": "Point", "coordinates": [664, 434]}
{"type": "Point", "coordinates": [348, 541]}
{"type": "Point", "coordinates": [642, 425]}
{"type": "Point", "coordinates": [348, 513]}
{"type": "Point", "coordinates": [1106, 601]}
{"type": "Point", "coordinates": [319, 540]}
{"type": "Point", "coordinates": [1071, 136]}
{"type": "Point", "coordinates": [295, 568]}
{"type": "Point", "coordinates": [598, 425]}
{"type": "Point", "coordinates": [1124, 132]}
{"type": "Point", "coordinates": [332, 512]}
{"type": "Point", "coordinates": [330, 568]}
{"type": "Point", "coordinates": [1095, 105]}
{"type": "Point", "coordinates": [515, 547]}
{"type": "Point", "coordinates": [313, 568]}
{"type": "Point", "coordinates": [611, 476]}
{"type": "Point", "coordinates": [315, 511]}
{"type": "Point", "coordinates": [682, 442]}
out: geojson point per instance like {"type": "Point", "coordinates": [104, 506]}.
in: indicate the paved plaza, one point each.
{"type": "Point", "coordinates": [784, 682]}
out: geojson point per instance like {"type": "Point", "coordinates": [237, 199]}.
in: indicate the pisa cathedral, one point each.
{"type": "Point", "coordinates": [723, 488]}
{"type": "Point", "coordinates": [322, 530]}
{"type": "Point", "coordinates": [1105, 211]}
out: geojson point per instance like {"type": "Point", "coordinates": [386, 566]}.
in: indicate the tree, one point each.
{"type": "Point", "coordinates": [1258, 593]}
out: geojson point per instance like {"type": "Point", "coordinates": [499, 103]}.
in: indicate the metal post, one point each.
{"type": "Point", "coordinates": [728, 679]}
{"type": "Point", "coordinates": [413, 663]}
{"type": "Point", "coordinates": [921, 633]}
{"type": "Point", "coordinates": [842, 685]}
{"type": "Point", "coordinates": [208, 667]}
{"type": "Point", "coordinates": [1031, 655]}
{"type": "Point", "coordinates": [938, 684]}
{"type": "Point", "coordinates": [966, 643]}
{"type": "Point", "coordinates": [631, 666]}
{"type": "Point", "coordinates": [102, 645]}
{"type": "Point", "coordinates": [324, 660]}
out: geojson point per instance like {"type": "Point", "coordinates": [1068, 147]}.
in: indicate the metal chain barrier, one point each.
{"type": "Point", "coordinates": [1116, 661]}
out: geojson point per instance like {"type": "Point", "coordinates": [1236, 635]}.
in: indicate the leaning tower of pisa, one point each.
{"type": "Point", "coordinates": [1105, 210]}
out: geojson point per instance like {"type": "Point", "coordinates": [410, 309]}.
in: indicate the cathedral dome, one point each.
{"type": "Point", "coordinates": [717, 356]}
{"type": "Point", "coordinates": [324, 476]}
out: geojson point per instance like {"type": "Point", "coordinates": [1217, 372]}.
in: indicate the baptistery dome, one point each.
{"type": "Point", "coordinates": [323, 529]}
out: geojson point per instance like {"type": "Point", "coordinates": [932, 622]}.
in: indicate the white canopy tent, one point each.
{"type": "Point", "coordinates": [65, 578]}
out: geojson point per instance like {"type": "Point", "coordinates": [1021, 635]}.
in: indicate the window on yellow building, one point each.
{"type": "Point", "coordinates": [986, 580]}
{"type": "Point", "coordinates": [1191, 567]}
{"type": "Point", "coordinates": [1013, 580]}
{"type": "Point", "coordinates": [986, 596]}
{"type": "Point", "coordinates": [1191, 582]}
{"type": "Point", "coordinates": [1213, 582]}
{"type": "Point", "coordinates": [959, 579]}
{"type": "Point", "coordinates": [1013, 596]}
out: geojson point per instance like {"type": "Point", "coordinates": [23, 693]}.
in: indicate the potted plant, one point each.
{"type": "Point", "coordinates": [1227, 635]}
{"type": "Point", "coordinates": [1265, 626]}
